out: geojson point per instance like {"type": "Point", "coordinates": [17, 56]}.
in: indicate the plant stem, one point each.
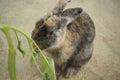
{"type": "Point", "coordinates": [31, 49]}
{"type": "Point", "coordinates": [11, 58]}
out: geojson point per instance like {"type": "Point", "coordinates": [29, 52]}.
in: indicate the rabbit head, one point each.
{"type": "Point", "coordinates": [47, 31]}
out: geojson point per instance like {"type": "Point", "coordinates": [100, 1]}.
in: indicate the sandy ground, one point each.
{"type": "Point", "coordinates": [105, 62]}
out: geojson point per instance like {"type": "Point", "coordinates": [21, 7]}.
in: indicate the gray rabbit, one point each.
{"type": "Point", "coordinates": [66, 36]}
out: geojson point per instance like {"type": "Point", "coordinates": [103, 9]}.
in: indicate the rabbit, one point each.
{"type": "Point", "coordinates": [67, 36]}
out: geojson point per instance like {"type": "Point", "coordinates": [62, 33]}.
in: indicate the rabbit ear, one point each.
{"type": "Point", "coordinates": [72, 12]}
{"type": "Point", "coordinates": [57, 11]}
{"type": "Point", "coordinates": [60, 6]}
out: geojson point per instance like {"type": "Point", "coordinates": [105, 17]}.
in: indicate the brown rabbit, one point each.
{"type": "Point", "coordinates": [66, 36]}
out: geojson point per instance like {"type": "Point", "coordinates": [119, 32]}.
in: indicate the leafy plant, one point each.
{"type": "Point", "coordinates": [46, 63]}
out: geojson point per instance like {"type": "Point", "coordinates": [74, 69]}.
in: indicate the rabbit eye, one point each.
{"type": "Point", "coordinates": [42, 32]}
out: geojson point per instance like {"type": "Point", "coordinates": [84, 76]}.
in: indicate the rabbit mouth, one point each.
{"type": "Point", "coordinates": [42, 44]}
{"type": "Point", "coordinates": [45, 42]}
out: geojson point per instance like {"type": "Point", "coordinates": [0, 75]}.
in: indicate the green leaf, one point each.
{"type": "Point", "coordinates": [35, 53]}
{"type": "Point", "coordinates": [45, 76]}
{"type": "Point", "coordinates": [19, 46]}
{"type": "Point", "coordinates": [48, 70]}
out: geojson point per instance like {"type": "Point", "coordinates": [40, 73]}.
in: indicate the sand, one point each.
{"type": "Point", "coordinates": [105, 62]}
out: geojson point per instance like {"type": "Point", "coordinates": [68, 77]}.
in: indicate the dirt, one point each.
{"type": "Point", "coordinates": [105, 62]}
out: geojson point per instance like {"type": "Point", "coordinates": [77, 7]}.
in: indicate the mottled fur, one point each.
{"type": "Point", "coordinates": [66, 36]}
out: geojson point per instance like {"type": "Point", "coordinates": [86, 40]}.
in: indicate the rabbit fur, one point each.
{"type": "Point", "coordinates": [66, 36]}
